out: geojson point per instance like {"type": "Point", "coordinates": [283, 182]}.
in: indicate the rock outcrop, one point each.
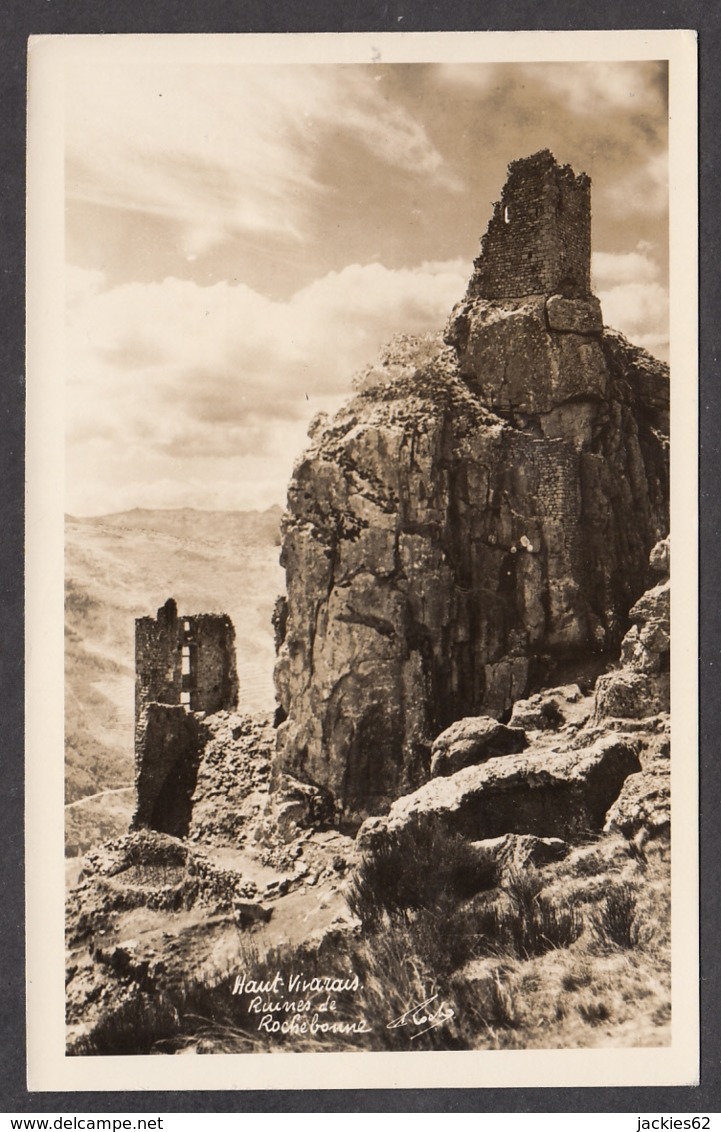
{"type": "Point", "coordinates": [460, 536]}
{"type": "Point", "coordinates": [643, 808]}
{"type": "Point", "coordinates": [641, 686]}
{"type": "Point", "coordinates": [590, 762]}
{"type": "Point", "coordinates": [639, 692]}
{"type": "Point", "coordinates": [514, 852]}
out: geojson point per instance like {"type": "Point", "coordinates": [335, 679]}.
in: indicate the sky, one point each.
{"type": "Point", "coordinates": [242, 239]}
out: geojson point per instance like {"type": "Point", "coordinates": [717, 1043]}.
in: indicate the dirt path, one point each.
{"type": "Point", "coordinates": [100, 794]}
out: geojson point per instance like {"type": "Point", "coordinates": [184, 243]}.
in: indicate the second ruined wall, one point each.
{"type": "Point", "coordinates": [184, 665]}
{"type": "Point", "coordinates": [185, 659]}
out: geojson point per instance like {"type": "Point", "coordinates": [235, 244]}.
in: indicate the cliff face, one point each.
{"type": "Point", "coordinates": [460, 535]}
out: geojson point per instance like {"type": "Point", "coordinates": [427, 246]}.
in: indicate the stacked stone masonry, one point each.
{"type": "Point", "coordinates": [539, 237]}
{"type": "Point", "coordinates": [187, 660]}
{"type": "Point", "coordinates": [183, 665]}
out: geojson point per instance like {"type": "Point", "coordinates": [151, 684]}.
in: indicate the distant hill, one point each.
{"type": "Point", "coordinates": [259, 528]}
{"type": "Point", "coordinates": [122, 566]}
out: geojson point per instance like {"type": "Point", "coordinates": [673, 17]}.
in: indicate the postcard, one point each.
{"type": "Point", "coordinates": [362, 713]}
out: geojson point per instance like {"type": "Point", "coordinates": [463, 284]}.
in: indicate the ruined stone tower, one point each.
{"type": "Point", "coordinates": [539, 238]}
{"type": "Point", "coordinates": [183, 665]}
{"type": "Point", "coordinates": [528, 333]}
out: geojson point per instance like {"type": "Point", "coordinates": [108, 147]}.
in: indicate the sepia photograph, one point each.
{"type": "Point", "coordinates": [357, 430]}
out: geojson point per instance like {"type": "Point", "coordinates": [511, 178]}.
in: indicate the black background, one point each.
{"type": "Point", "coordinates": [22, 18]}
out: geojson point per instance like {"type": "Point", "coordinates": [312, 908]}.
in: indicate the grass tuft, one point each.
{"type": "Point", "coordinates": [594, 1011]}
{"type": "Point", "coordinates": [529, 922]}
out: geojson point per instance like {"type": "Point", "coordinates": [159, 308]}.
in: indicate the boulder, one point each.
{"type": "Point", "coordinates": [549, 710]}
{"type": "Point", "coordinates": [646, 646]}
{"type": "Point", "coordinates": [643, 379]}
{"type": "Point", "coordinates": [641, 687]}
{"type": "Point", "coordinates": [629, 695]}
{"type": "Point", "coordinates": [562, 795]}
{"type": "Point", "coordinates": [660, 557]}
{"type": "Point", "coordinates": [501, 341]}
{"type": "Point", "coordinates": [249, 913]}
{"type": "Point", "coordinates": [473, 740]}
{"type": "Point", "coordinates": [296, 805]}
{"type": "Point", "coordinates": [130, 961]}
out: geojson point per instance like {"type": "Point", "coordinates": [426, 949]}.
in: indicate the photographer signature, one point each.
{"type": "Point", "coordinates": [423, 1015]}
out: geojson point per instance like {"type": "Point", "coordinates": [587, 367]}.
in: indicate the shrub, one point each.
{"type": "Point", "coordinates": [590, 865]}
{"type": "Point", "coordinates": [135, 1027]}
{"type": "Point", "coordinates": [417, 868]}
{"type": "Point", "coordinates": [206, 1016]}
{"type": "Point", "coordinates": [616, 921]}
{"type": "Point", "coordinates": [579, 976]}
{"type": "Point", "coordinates": [523, 923]}
{"type": "Point", "coordinates": [498, 1004]}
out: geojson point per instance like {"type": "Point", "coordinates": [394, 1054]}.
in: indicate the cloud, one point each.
{"type": "Point", "coordinates": [198, 391]}
{"type": "Point", "coordinates": [615, 268]}
{"type": "Point", "coordinates": [81, 284]}
{"type": "Point", "coordinates": [585, 88]}
{"type": "Point", "coordinates": [633, 298]}
{"type": "Point", "coordinates": [223, 150]}
{"type": "Point", "coordinates": [641, 188]}
{"type": "Point", "coordinates": [476, 77]}
{"type": "Point", "coordinates": [179, 394]}
{"type": "Point", "coordinates": [607, 119]}
{"type": "Point", "coordinates": [185, 382]}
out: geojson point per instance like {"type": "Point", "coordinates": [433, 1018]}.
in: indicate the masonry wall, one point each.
{"type": "Point", "coordinates": [158, 676]}
{"type": "Point", "coordinates": [539, 237]}
{"type": "Point", "coordinates": [186, 660]}
{"type": "Point", "coordinates": [213, 680]}
{"type": "Point", "coordinates": [183, 665]}
{"type": "Point", "coordinates": [170, 741]}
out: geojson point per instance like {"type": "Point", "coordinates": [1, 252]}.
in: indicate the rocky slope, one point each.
{"type": "Point", "coordinates": [571, 801]}
{"type": "Point", "coordinates": [149, 911]}
{"type": "Point", "coordinates": [579, 765]}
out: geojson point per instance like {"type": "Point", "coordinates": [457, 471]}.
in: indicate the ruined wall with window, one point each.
{"type": "Point", "coordinates": [183, 665]}
{"type": "Point", "coordinates": [188, 660]}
